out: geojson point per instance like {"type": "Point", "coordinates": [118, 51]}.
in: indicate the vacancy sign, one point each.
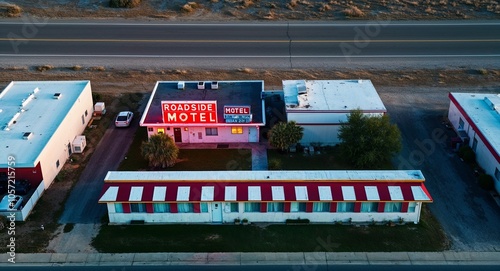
{"type": "Point", "coordinates": [196, 112]}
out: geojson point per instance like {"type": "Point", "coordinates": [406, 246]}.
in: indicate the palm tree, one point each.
{"type": "Point", "coordinates": [160, 151]}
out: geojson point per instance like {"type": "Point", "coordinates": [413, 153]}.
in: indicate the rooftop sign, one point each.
{"type": "Point", "coordinates": [189, 111]}
{"type": "Point", "coordinates": [237, 114]}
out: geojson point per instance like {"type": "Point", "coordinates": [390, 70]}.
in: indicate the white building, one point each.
{"type": "Point", "coordinates": [206, 112]}
{"type": "Point", "coordinates": [38, 122]}
{"type": "Point", "coordinates": [476, 118]}
{"type": "Point", "coordinates": [264, 196]}
{"type": "Point", "coordinates": [321, 106]}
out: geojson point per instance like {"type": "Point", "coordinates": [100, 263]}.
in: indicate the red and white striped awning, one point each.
{"type": "Point", "coordinates": [291, 191]}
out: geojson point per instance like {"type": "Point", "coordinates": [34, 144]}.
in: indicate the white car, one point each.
{"type": "Point", "coordinates": [124, 119]}
{"type": "Point", "coordinates": [10, 203]}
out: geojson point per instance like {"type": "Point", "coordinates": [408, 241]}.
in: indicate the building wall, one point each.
{"type": "Point", "coordinates": [71, 126]}
{"type": "Point", "coordinates": [484, 157]}
{"type": "Point", "coordinates": [275, 217]}
{"type": "Point", "coordinates": [198, 134]}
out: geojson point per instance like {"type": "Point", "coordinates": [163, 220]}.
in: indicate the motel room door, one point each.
{"type": "Point", "coordinates": [216, 212]}
{"type": "Point", "coordinates": [253, 134]}
{"type": "Point", "coordinates": [177, 135]}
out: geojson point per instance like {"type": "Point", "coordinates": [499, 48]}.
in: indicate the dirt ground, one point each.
{"type": "Point", "coordinates": [222, 10]}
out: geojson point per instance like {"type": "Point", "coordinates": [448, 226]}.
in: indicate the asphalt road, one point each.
{"type": "Point", "coordinates": [271, 45]}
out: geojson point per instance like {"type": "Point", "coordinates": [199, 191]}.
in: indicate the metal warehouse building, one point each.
{"type": "Point", "coordinates": [206, 112]}
{"type": "Point", "coordinates": [38, 122]}
{"type": "Point", "coordinates": [321, 106]}
{"type": "Point", "coordinates": [264, 196]}
{"type": "Point", "coordinates": [476, 118]}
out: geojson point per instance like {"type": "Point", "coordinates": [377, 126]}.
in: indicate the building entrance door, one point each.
{"type": "Point", "coordinates": [216, 212]}
{"type": "Point", "coordinates": [177, 135]}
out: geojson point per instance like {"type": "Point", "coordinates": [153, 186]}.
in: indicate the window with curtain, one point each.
{"type": "Point", "coordinates": [298, 207]}
{"type": "Point", "coordinates": [118, 208]}
{"type": "Point", "coordinates": [252, 207]}
{"type": "Point", "coordinates": [137, 207]}
{"type": "Point", "coordinates": [275, 206]}
{"type": "Point", "coordinates": [393, 207]}
{"type": "Point", "coordinates": [237, 130]}
{"type": "Point", "coordinates": [345, 207]}
{"type": "Point", "coordinates": [234, 207]}
{"type": "Point", "coordinates": [321, 207]}
{"type": "Point", "coordinates": [211, 131]}
{"type": "Point", "coordinates": [161, 208]}
{"type": "Point", "coordinates": [185, 208]}
{"type": "Point", "coordinates": [369, 207]}
{"type": "Point", "coordinates": [204, 207]}
{"type": "Point", "coordinates": [411, 207]}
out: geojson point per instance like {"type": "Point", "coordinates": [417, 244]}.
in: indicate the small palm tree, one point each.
{"type": "Point", "coordinates": [160, 150]}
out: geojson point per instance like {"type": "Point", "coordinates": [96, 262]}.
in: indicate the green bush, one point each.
{"type": "Point", "coordinates": [486, 182]}
{"type": "Point", "coordinates": [275, 164]}
{"type": "Point", "coordinates": [124, 3]}
{"type": "Point", "coordinates": [466, 153]}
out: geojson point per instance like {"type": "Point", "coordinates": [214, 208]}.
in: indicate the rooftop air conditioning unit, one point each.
{"type": "Point", "coordinates": [215, 85]}
{"type": "Point", "coordinates": [301, 88]}
{"type": "Point", "coordinates": [78, 144]}
{"type": "Point", "coordinates": [201, 85]}
{"type": "Point", "coordinates": [57, 95]}
{"type": "Point", "coordinates": [180, 85]}
{"type": "Point", "coordinates": [27, 135]}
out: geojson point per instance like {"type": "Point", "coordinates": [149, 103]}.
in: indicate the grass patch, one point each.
{"type": "Point", "coordinates": [426, 236]}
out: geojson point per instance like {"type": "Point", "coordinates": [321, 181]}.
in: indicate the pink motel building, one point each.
{"type": "Point", "coordinates": [206, 111]}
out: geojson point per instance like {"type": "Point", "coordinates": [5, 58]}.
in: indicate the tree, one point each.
{"type": "Point", "coordinates": [160, 150]}
{"type": "Point", "coordinates": [368, 142]}
{"type": "Point", "coordinates": [285, 134]}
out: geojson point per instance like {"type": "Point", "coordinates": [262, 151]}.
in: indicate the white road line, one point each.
{"type": "Point", "coordinates": [247, 56]}
{"type": "Point", "coordinates": [312, 24]}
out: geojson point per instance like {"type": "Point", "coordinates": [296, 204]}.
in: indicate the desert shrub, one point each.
{"type": "Point", "coordinates": [354, 12]}
{"type": "Point", "coordinates": [44, 68]}
{"type": "Point", "coordinates": [486, 182]}
{"type": "Point", "coordinates": [189, 7]}
{"type": "Point", "coordinates": [124, 3]}
{"type": "Point", "coordinates": [10, 10]}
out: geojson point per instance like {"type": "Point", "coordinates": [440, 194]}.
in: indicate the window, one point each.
{"type": "Point", "coordinates": [460, 124]}
{"type": "Point", "coordinates": [234, 207]}
{"type": "Point", "coordinates": [185, 208]}
{"type": "Point", "coordinates": [211, 131]}
{"type": "Point", "coordinates": [83, 119]}
{"type": "Point", "coordinates": [298, 207]}
{"type": "Point", "coordinates": [345, 207]}
{"type": "Point", "coordinates": [275, 206]}
{"type": "Point", "coordinates": [392, 207]}
{"type": "Point", "coordinates": [321, 207]}
{"type": "Point", "coordinates": [497, 174]}
{"type": "Point", "coordinates": [236, 130]}
{"type": "Point", "coordinates": [150, 129]}
{"type": "Point", "coordinates": [118, 208]}
{"type": "Point", "coordinates": [137, 207]}
{"type": "Point", "coordinates": [411, 207]}
{"type": "Point", "coordinates": [161, 131]}
{"type": "Point", "coordinates": [369, 207]}
{"type": "Point", "coordinates": [86, 113]}
{"type": "Point", "coordinates": [252, 207]}
{"type": "Point", "coordinates": [204, 207]}
{"type": "Point", "coordinates": [474, 144]}
{"type": "Point", "coordinates": [57, 164]}
{"type": "Point", "coordinates": [161, 208]}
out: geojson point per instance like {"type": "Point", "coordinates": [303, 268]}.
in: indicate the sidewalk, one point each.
{"type": "Point", "coordinates": [296, 258]}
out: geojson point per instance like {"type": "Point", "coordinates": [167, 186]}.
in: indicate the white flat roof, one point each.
{"type": "Point", "coordinates": [483, 114]}
{"type": "Point", "coordinates": [30, 106]}
{"type": "Point", "coordinates": [332, 95]}
{"type": "Point", "coordinates": [245, 175]}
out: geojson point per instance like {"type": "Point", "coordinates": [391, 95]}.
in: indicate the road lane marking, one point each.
{"type": "Point", "coordinates": [310, 24]}
{"type": "Point", "coordinates": [248, 56]}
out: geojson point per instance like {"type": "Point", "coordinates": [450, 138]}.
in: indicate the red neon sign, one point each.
{"type": "Point", "coordinates": [189, 111]}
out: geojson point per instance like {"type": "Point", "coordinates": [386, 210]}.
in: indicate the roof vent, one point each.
{"type": "Point", "coordinates": [57, 95]}
{"type": "Point", "coordinates": [180, 85]}
{"type": "Point", "coordinates": [301, 88]}
{"type": "Point", "coordinates": [27, 135]}
{"type": "Point", "coordinates": [360, 81]}
{"type": "Point", "coordinates": [201, 85]}
{"type": "Point", "coordinates": [27, 100]}
{"type": "Point", "coordinates": [215, 85]}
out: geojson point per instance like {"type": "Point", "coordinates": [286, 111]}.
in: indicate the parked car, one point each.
{"type": "Point", "coordinates": [124, 119]}
{"type": "Point", "coordinates": [11, 202]}
{"type": "Point", "coordinates": [22, 187]}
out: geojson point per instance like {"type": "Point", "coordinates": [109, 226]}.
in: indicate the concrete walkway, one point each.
{"type": "Point", "coordinates": [296, 258]}
{"type": "Point", "coordinates": [259, 151]}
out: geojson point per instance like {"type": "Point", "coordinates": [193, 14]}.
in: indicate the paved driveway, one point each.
{"type": "Point", "coordinates": [468, 214]}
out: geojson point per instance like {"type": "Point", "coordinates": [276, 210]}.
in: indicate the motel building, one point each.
{"type": "Point", "coordinates": [216, 197]}
{"type": "Point", "coordinates": [39, 121]}
{"type": "Point", "coordinates": [476, 119]}
{"type": "Point", "coordinates": [206, 112]}
{"type": "Point", "coordinates": [321, 106]}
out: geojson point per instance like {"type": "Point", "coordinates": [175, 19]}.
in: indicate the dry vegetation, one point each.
{"type": "Point", "coordinates": [258, 9]}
